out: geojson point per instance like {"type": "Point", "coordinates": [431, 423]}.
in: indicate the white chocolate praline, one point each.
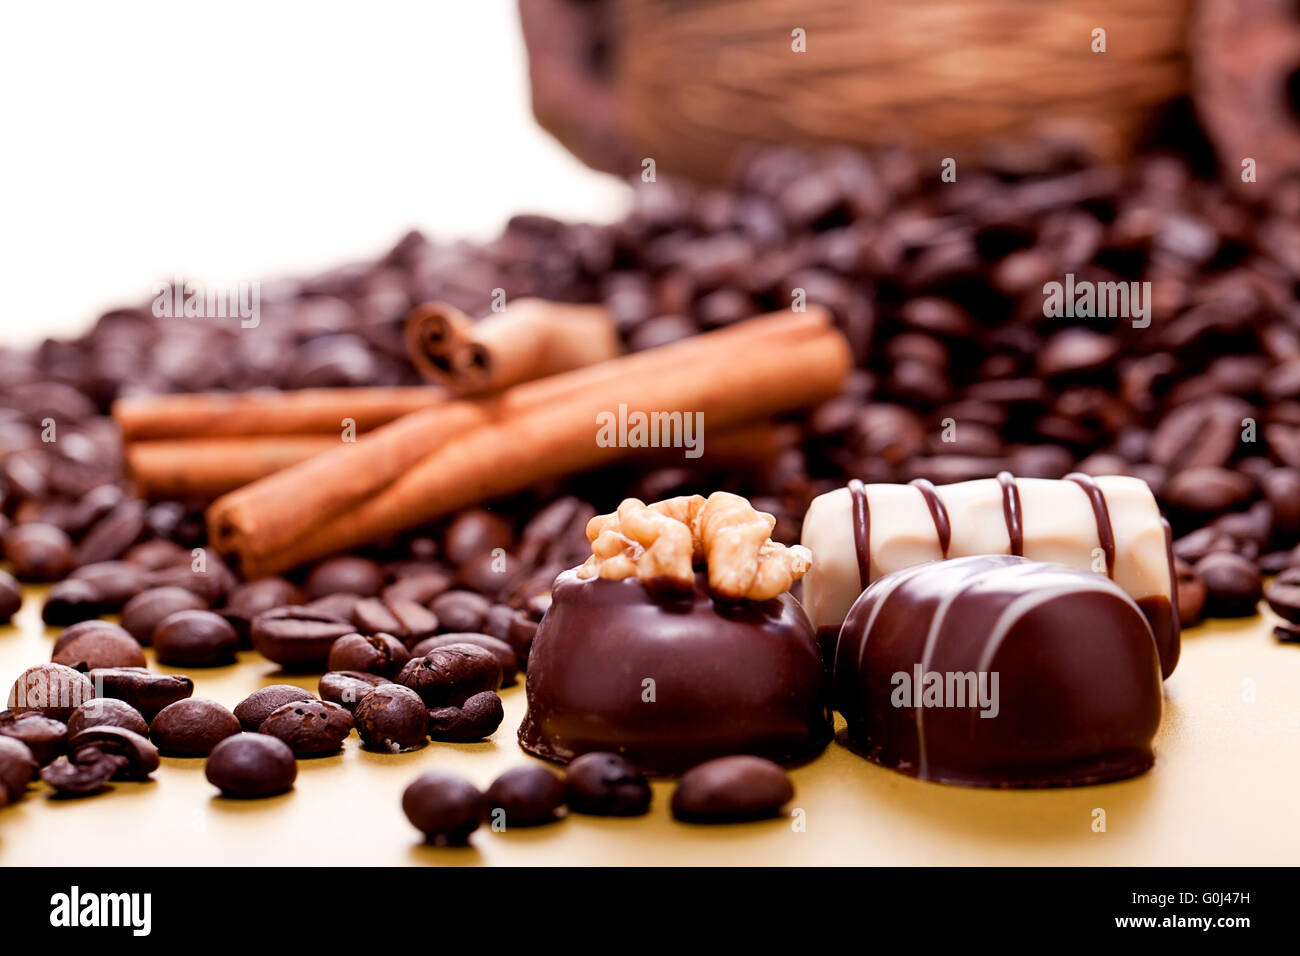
{"type": "Point", "coordinates": [1057, 521]}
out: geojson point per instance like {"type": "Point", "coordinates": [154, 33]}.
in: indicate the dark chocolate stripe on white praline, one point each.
{"type": "Point", "coordinates": [942, 526]}
{"type": "Point", "coordinates": [1011, 512]}
{"type": "Point", "coordinates": [861, 530]}
{"type": "Point", "coordinates": [1101, 513]}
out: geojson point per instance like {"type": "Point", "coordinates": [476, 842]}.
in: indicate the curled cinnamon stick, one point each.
{"type": "Point", "coordinates": [530, 339]}
{"type": "Point", "coordinates": [464, 451]}
{"type": "Point", "coordinates": [200, 469]}
{"type": "Point", "coordinates": [306, 412]}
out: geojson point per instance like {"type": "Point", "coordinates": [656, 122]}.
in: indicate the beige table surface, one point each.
{"type": "Point", "coordinates": [1223, 791]}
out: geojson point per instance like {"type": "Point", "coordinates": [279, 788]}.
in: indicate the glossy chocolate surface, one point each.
{"type": "Point", "coordinates": [1078, 687]}
{"type": "Point", "coordinates": [740, 678]}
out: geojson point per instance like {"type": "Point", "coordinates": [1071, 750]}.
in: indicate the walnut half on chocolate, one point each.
{"type": "Point", "coordinates": [662, 543]}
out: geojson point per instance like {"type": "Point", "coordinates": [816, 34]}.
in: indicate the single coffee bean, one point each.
{"type": "Point", "coordinates": [156, 554]}
{"type": "Point", "coordinates": [144, 612]}
{"type": "Point", "coordinates": [141, 755]}
{"type": "Point", "coordinates": [44, 736]}
{"type": "Point", "coordinates": [345, 573]}
{"type": "Point", "coordinates": [606, 785]}
{"type": "Point", "coordinates": [195, 639]}
{"type": "Point", "coordinates": [192, 727]}
{"type": "Point", "coordinates": [499, 649]}
{"type": "Point", "coordinates": [380, 654]}
{"type": "Point", "coordinates": [1274, 562]}
{"type": "Point", "coordinates": [112, 534]}
{"type": "Point", "coordinates": [260, 704]}
{"type": "Point", "coordinates": [116, 582]}
{"type": "Point", "coordinates": [461, 611]}
{"type": "Point", "coordinates": [250, 599]}
{"type": "Point", "coordinates": [207, 577]}
{"type": "Point", "coordinates": [11, 597]}
{"type": "Point", "coordinates": [527, 796]}
{"type": "Point", "coordinates": [340, 605]}
{"type": "Point", "coordinates": [97, 755]}
{"type": "Point", "coordinates": [449, 676]}
{"type": "Point", "coordinates": [732, 790]}
{"type": "Point", "coordinates": [444, 807]}
{"type": "Point", "coordinates": [54, 690]}
{"type": "Point", "coordinates": [145, 691]}
{"type": "Point", "coordinates": [347, 688]}
{"type": "Point", "coordinates": [1208, 490]}
{"type": "Point", "coordinates": [1191, 593]}
{"type": "Point", "coordinates": [1283, 595]}
{"type": "Point", "coordinates": [1232, 583]}
{"type": "Point", "coordinates": [38, 552]}
{"type": "Point", "coordinates": [92, 506]}
{"type": "Point", "coordinates": [421, 588]}
{"type": "Point", "coordinates": [296, 637]}
{"type": "Point", "coordinates": [1281, 488]}
{"type": "Point", "coordinates": [407, 621]}
{"type": "Point", "coordinates": [94, 644]}
{"type": "Point", "coordinates": [514, 627]}
{"type": "Point", "coordinates": [311, 728]}
{"type": "Point", "coordinates": [492, 574]}
{"type": "Point", "coordinates": [476, 719]}
{"type": "Point", "coordinates": [17, 767]}
{"type": "Point", "coordinates": [71, 601]}
{"type": "Point", "coordinates": [251, 765]}
{"type": "Point", "coordinates": [107, 712]}
{"type": "Point", "coordinates": [392, 717]}
{"type": "Point", "coordinates": [473, 532]}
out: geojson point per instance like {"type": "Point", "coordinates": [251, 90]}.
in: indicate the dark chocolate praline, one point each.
{"type": "Point", "coordinates": [1077, 698]}
{"type": "Point", "coordinates": [728, 678]}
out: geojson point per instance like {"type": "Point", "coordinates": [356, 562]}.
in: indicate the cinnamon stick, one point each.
{"type": "Point", "coordinates": [442, 458]}
{"type": "Point", "coordinates": [200, 469]}
{"type": "Point", "coordinates": [305, 412]}
{"type": "Point", "coordinates": [530, 339]}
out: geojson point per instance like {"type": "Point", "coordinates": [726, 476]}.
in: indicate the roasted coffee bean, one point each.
{"type": "Point", "coordinates": [460, 611]}
{"type": "Point", "coordinates": [1232, 583]}
{"type": "Point", "coordinates": [606, 785]}
{"type": "Point", "coordinates": [1283, 595]}
{"type": "Point", "coordinates": [1203, 541]}
{"type": "Point", "coordinates": [38, 552]}
{"type": "Point", "coordinates": [1281, 488]}
{"type": "Point", "coordinates": [1274, 562]}
{"type": "Point", "coordinates": [195, 639]}
{"type": "Point", "coordinates": [145, 691]}
{"type": "Point", "coordinates": [347, 688]}
{"type": "Point", "coordinates": [499, 649]}
{"type": "Point", "coordinates": [260, 704]}
{"type": "Point", "coordinates": [251, 765]}
{"type": "Point", "coordinates": [341, 605]}
{"type": "Point", "coordinates": [405, 620]}
{"type": "Point", "coordinates": [17, 767]}
{"type": "Point", "coordinates": [1208, 490]}
{"type": "Point", "coordinates": [209, 578]}
{"type": "Point", "coordinates": [473, 532]}
{"type": "Point", "coordinates": [514, 627]}
{"type": "Point", "coordinates": [346, 573]}
{"type": "Point", "coordinates": [444, 807]}
{"type": "Point", "coordinates": [92, 506]}
{"type": "Point", "coordinates": [296, 637]}
{"type": "Point", "coordinates": [1200, 434]}
{"type": "Point", "coordinates": [11, 597]}
{"type": "Point", "coordinates": [449, 676]}
{"type": "Point", "coordinates": [116, 582]}
{"type": "Point", "coordinates": [476, 719]}
{"type": "Point", "coordinates": [732, 790]}
{"type": "Point", "coordinates": [107, 712]}
{"type": "Point", "coordinates": [94, 644]}
{"type": "Point", "coordinates": [50, 689]}
{"type": "Point", "coordinates": [99, 754]}
{"type": "Point", "coordinates": [492, 574]}
{"type": "Point", "coordinates": [421, 588]}
{"type": "Point", "coordinates": [380, 654]}
{"type": "Point", "coordinates": [191, 727]}
{"type": "Point", "coordinates": [1191, 593]}
{"type": "Point", "coordinates": [156, 554]}
{"type": "Point", "coordinates": [144, 612]}
{"type": "Point", "coordinates": [112, 534]}
{"type": "Point", "coordinates": [311, 728]}
{"type": "Point", "coordinates": [392, 717]}
{"type": "Point", "coordinates": [527, 796]}
{"type": "Point", "coordinates": [44, 736]}
{"type": "Point", "coordinates": [70, 601]}
{"type": "Point", "coordinates": [250, 599]}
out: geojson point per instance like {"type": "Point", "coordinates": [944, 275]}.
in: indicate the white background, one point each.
{"type": "Point", "coordinates": [239, 140]}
